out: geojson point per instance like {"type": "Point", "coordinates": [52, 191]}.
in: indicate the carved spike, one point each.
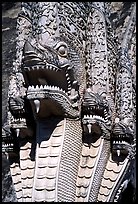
{"type": "Point", "coordinates": [37, 87]}
{"type": "Point", "coordinates": [29, 88]}
{"type": "Point", "coordinates": [17, 132]}
{"type": "Point", "coordinates": [37, 105]}
{"type": "Point", "coordinates": [118, 152]}
{"type": "Point", "coordinates": [89, 127]}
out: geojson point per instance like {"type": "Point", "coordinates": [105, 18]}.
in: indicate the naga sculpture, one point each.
{"type": "Point", "coordinates": [70, 133]}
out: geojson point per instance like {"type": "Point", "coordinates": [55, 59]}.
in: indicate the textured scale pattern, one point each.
{"type": "Point", "coordinates": [99, 171]}
{"type": "Point", "coordinates": [69, 161]}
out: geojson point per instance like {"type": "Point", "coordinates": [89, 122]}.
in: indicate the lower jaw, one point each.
{"type": "Point", "coordinates": [60, 103]}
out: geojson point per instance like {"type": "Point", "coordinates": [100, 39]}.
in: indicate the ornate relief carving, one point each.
{"type": "Point", "coordinates": [71, 130]}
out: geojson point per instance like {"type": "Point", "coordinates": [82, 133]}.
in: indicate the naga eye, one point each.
{"type": "Point", "coordinates": [62, 49]}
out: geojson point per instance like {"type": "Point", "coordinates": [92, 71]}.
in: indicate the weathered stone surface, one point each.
{"type": "Point", "coordinates": [10, 12]}
{"type": "Point", "coordinates": [73, 70]}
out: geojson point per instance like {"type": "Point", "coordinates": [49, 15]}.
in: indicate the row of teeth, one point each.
{"type": "Point", "coordinates": [95, 107]}
{"type": "Point", "coordinates": [48, 66]}
{"type": "Point", "coordinates": [53, 68]}
{"type": "Point", "coordinates": [121, 136]}
{"type": "Point", "coordinates": [68, 81]}
{"type": "Point", "coordinates": [119, 142]}
{"type": "Point", "coordinates": [48, 87]}
{"type": "Point", "coordinates": [19, 120]}
{"type": "Point", "coordinates": [44, 87]}
{"type": "Point", "coordinates": [93, 117]}
{"type": "Point", "coordinates": [7, 145]}
{"type": "Point", "coordinates": [5, 138]}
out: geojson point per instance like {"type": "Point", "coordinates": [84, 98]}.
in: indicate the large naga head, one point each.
{"type": "Point", "coordinates": [53, 61]}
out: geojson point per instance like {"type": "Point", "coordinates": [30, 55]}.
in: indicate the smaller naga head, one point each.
{"type": "Point", "coordinates": [95, 114]}
{"type": "Point", "coordinates": [15, 133]}
{"type": "Point", "coordinates": [9, 141]}
{"type": "Point", "coordinates": [122, 140]}
{"type": "Point", "coordinates": [16, 106]}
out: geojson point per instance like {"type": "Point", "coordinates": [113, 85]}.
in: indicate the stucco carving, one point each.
{"type": "Point", "coordinates": [70, 132]}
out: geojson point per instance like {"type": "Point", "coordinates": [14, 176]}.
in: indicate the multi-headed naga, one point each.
{"type": "Point", "coordinates": [70, 132]}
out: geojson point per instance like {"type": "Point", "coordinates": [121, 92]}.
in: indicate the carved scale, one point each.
{"type": "Point", "coordinates": [68, 135]}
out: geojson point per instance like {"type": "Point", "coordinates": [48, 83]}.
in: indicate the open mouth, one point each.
{"type": "Point", "coordinates": [8, 142]}
{"type": "Point", "coordinates": [49, 86]}
{"type": "Point", "coordinates": [92, 123]}
{"type": "Point", "coordinates": [46, 75]}
{"type": "Point", "coordinates": [121, 140]}
{"type": "Point", "coordinates": [38, 72]}
{"type": "Point", "coordinates": [94, 114]}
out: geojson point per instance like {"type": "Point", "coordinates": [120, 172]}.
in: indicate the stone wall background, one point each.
{"type": "Point", "coordinates": [10, 11]}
